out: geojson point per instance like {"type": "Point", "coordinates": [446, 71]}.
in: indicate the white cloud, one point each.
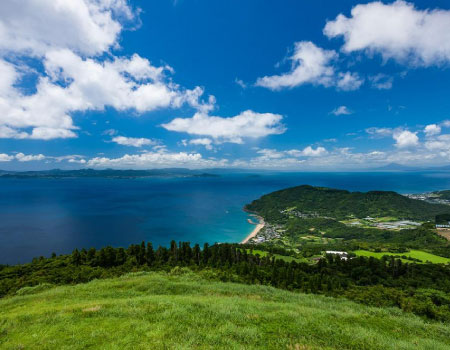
{"type": "Point", "coordinates": [248, 124]}
{"type": "Point", "coordinates": [405, 139]}
{"type": "Point", "coordinates": [133, 141]}
{"type": "Point", "coordinates": [381, 81]}
{"type": "Point", "coordinates": [311, 65]}
{"type": "Point", "coordinates": [9, 133]}
{"type": "Point", "coordinates": [207, 143]}
{"type": "Point", "coordinates": [78, 161]}
{"type": "Point", "coordinates": [349, 81]}
{"type": "Point", "coordinates": [68, 39]}
{"type": "Point", "coordinates": [311, 152]}
{"type": "Point", "coordinates": [5, 157]}
{"type": "Point", "coordinates": [341, 110]}
{"type": "Point", "coordinates": [28, 158]}
{"type": "Point", "coordinates": [308, 151]}
{"type": "Point", "coordinates": [90, 85]}
{"type": "Point", "coordinates": [44, 133]}
{"type": "Point", "coordinates": [158, 159]}
{"type": "Point", "coordinates": [271, 153]}
{"type": "Point", "coordinates": [397, 30]}
{"type": "Point", "coordinates": [110, 132]}
{"type": "Point", "coordinates": [241, 83]}
{"type": "Point", "coordinates": [432, 129]}
{"type": "Point", "coordinates": [440, 143]}
{"type": "Point", "coordinates": [379, 132]}
{"type": "Point", "coordinates": [88, 27]}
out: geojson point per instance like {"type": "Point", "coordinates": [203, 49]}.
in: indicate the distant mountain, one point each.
{"type": "Point", "coordinates": [401, 167]}
{"type": "Point", "coordinates": [107, 173]}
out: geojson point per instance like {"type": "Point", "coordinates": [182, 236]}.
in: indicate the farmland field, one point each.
{"type": "Point", "coordinates": [416, 254]}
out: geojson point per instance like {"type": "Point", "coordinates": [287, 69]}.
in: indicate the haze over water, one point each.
{"type": "Point", "coordinates": [41, 216]}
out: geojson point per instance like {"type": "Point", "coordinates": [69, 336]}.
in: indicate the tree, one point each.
{"type": "Point", "coordinates": [76, 257]}
{"type": "Point", "coordinates": [150, 255]}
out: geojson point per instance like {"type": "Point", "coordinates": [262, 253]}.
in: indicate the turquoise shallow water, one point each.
{"type": "Point", "coordinates": [41, 216]}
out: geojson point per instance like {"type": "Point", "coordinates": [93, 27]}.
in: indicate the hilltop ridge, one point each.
{"type": "Point", "coordinates": [184, 310]}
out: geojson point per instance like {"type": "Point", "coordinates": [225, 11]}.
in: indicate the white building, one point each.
{"type": "Point", "coordinates": [343, 255]}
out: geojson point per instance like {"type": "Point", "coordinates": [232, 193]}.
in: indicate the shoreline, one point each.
{"type": "Point", "coordinates": [259, 227]}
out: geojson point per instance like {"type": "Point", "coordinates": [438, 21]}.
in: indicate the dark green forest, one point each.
{"type": "Point", "coordinates": [423, 289]}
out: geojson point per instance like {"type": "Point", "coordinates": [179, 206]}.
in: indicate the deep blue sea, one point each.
{"type": "Point", "coordinates": [41, 216]}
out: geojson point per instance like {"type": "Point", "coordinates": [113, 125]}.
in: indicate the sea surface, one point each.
{"type": "Point", "coordinates": [41, 216]}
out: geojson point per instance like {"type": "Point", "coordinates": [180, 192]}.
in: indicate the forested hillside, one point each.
{"type": "Point", "coordinates": [341, 204]}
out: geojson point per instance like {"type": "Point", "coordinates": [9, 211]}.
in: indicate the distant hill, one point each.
{"type": "Point", "coordinates": [107, 173]}
{"type": "Point", "coordinates": [341, 204]}
{"type": "Point", "coordinates": [401, 167]}
{"type": "Point", "coordinates": [186, 311]}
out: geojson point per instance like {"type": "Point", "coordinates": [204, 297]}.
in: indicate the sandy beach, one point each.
{"type": "Point", "coordinates": [255, 231]}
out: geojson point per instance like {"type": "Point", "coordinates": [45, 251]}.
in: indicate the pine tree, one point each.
{"type": "Point", "coordinates": [150, 255]}
{"type": "Point", "coordinates": [142, 259]}
{"type": "Point", "coordinates": [76, 257]}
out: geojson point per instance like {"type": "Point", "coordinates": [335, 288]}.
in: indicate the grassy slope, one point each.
{"type": "Point", "coordinates": [417, 254]}
{"type": "Point", "coordinates": [156, 311]}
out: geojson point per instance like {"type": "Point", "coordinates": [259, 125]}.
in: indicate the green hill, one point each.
{"type": "Point", "coordinates": [341, 204]}
{"type": "Point", "coordinates": [183, 310]}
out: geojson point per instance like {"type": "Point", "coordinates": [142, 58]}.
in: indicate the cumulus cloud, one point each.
{"type": "Point", "coordinates": [405, 139]}
{"type": "Point", "coordinates": [247, 124]}
{"type": "Point", "coordinates": [396, 31]}
{"type": "Point", "coordinates": [5, 157]}
{"type": "Point", "coordinates": [133, 141]}
{"type": "Point", "coordinates": [157, 159]}
{"type": "Point", "coordinates": [29, 157]}
{"type": "Point", "coordinates": [432, 129]}
{"type": "Point", "coordinates": [308, 151]}
{"type": "Point", "coordinates": [311, 152]}
{"type": "Point", "coordinates": [88, 27]}
{"type": "Point", "coordinates": [341, 110]}
{"type": "Point", "coordinates": [311, 65]}
{"type": "Point", "coordinates": [68, 38]}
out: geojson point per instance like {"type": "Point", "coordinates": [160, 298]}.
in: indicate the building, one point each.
{"type": "Point", "coordinates": [443, 226]}
{"type": "Point", "coordinates": [343, 255]}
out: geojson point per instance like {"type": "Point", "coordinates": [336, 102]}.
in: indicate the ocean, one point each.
{"type": "Point", "coordinates": [40, 216]}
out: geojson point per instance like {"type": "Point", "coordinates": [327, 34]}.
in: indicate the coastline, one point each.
{"type": "Point", "coordinates": [259, 226]}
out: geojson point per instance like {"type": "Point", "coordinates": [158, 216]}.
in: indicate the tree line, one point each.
{"type": "Point", "coordinates": [420, 288]}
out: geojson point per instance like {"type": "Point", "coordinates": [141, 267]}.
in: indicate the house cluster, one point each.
{"type": "Point", "coordinates": [269, 232]}
{"type": "Point", "coordinates": [342, 255]}
{"type": "Point", "coordinates": [292, 212]}
{"type": "Point", "coordinates": [429, 197]}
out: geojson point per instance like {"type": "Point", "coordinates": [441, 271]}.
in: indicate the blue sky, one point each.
{"type": "Point", "coordinates": [295, 85]}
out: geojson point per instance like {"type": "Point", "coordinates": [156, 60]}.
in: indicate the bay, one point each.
{"type": "Point", "coordinates": [39, 216]}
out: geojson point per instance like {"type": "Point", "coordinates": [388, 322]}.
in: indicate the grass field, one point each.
{"type": "Point", "coordinates": [417, 254]}
{"type": "Point", "coordinates": [159, 311]}
{"type": "Point", "coordinates": [286, 258]}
